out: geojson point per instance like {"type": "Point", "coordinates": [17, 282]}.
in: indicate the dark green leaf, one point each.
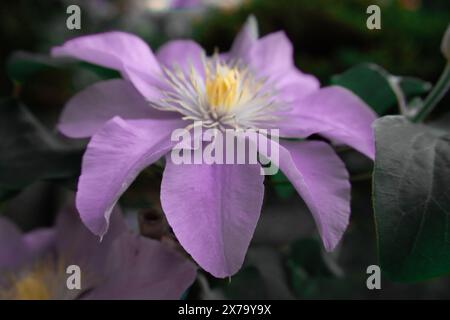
{"type": "Point", "coordinates": [29, 152]}
{"type": "Point", "coordinates": [412, 87]}
{"type": "Point", "coordinates": [307, 254]}
{"type": "Point", "coordinates": [22, 65]}
{"type": "Point", "coordinates": [283, 187]}
{"type": "Point", "coordinates": [247, 284]}
{"type": "Point", "coordinates": [310, 270]}
{"type": "Point", "coordinates": [412, 199]}
{"type": "Point", "coordinates": [371, 83]}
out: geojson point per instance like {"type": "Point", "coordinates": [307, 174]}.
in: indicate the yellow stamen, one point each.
{"type": "Point", "coordinates": [32, 287]}
{"type": "Point", "coordinates": [222, 88]}
{"type": "Point", "coordinates": [37, 283]}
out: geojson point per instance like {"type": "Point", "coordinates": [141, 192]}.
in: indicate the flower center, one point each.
{"type": "Point", "coordinates": [44, 280]}
{"type": "Point", "coordinates": [222, 87]}
{"type": "Point", "coordinates": [229, 95]}
{"type": "Point", "coordinates": [32, 287]}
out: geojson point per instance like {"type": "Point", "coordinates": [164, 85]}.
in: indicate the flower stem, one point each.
{"type": "Point", "coordinates": [436, 94]}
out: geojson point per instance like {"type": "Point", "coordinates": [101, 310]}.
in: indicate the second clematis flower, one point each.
{"type": "Point", "coordinates": [213, 209]}
{"type": "Point", "coordinates": [123, 266]}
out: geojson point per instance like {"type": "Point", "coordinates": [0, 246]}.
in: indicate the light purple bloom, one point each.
{"type": "Point", "coordinates": [122, 266]}
{"type": "Point", "coordinates": [185, 3]}
{"type": "Point", "coordinates": [213, 209]}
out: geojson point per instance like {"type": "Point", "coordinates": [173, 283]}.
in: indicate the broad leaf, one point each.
{"type": "Point", "coordinates": [371, 83]}
{"type": "Point", "coordinates": [22, 65]}
{"type": "Point", "coordinates": [412, 199]}
{"type": "Point", "coordinates": [29, 152]}
{"type": "Point", "coordinates": [414, 86]}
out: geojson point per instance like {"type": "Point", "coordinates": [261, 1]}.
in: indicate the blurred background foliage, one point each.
{"type": "Point", "coordinates": [329, 36]}
{"type": "Point", "coordinates": [286, 259]}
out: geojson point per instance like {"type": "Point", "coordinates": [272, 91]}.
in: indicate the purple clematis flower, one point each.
{"type": "Point", "coordinates": [212, 209]}
{"type": "Point", "coordinates": [122, 266]}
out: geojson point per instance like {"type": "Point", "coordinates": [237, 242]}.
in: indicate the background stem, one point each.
{"type": "Point", "coordinates": [436, 94]}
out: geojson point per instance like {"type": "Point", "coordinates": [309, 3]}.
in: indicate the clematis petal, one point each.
{"type": "Point", "coordinates": [272, 54]}
{"type": "Point", "coordinates": [294, 85]}
{"type": "Point", "coordinates": [246, 38]}
{"type": "Point", "coordinates": [87, 251]}
{"type": "Point", "coordinates": [321, 179]}
{"type": "Point", "coordinates": [121, 51]}
{"type": "Point", "coordinates": [141, 268]}
{"type": "Point", "coordinates": [12, 247]}
{"type": "Point", "coordinates": [147, 85]}
{"type": "Point", "coordinates": [87, 111]}
{"type": "Point", "coordinates": [213, 211]}
{"type": "Point", "coordinates": [272, 57]}
{"type": "Point", "coordinates": [114, 157]}
{"type": "Point", "coordinates": [40, 241]}
{"type": "Point", "coordinates": [182, 54]}
{"type": "Point", "coordinates": [335, 113]}
{"type": "Point", "coordinates": [112, 50]}
{"type": "Point", "coordinates": [17, 248]}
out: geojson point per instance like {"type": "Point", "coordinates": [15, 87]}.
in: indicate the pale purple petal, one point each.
{"type": "Point", "coordinates": [272, 54]}
{"type": "Point", "coordinates": [246, 38]}
{"type": "Point", "coordinates": [112, 50]}
{"type": "Point", "coordinates": [272, 57]}
{"type": "Point", "coordinates": [293, 85]}
{"type": "Point", "coordinates": [88, 111]}
{"type": "Point", "coordinates": [13, 250]}
{"type": "Point", "coordinates": [181, 4]}
{"type": "Point", "coordinates": [335, 113]}
{"type": "Point", "coordinates": [183, 54]}
{"type": "Point", "coordinates": [114, 157]}
{"type": "Point", "coordinates": [213, 211]}
{"type": "Point", "coordinates": [40, 241]}
{"type": "Point", "coordinates": [77, 245]}
{"type": "Point", "coordinates": [17, 248]}
{"type": "Point", "coordinates": [322, 180]}
{"type": "Point", "coordinates": [141, 268]}
{"type": "Point", "coordinates": [121, 51]}
{"type": "Point", "coordinates": [148, 85]}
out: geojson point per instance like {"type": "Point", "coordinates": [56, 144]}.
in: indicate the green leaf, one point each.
{"type": "Point", "coordinates": [310, 269]}
{"type": "Point", "coordinates": [247, 284]}
{"type": "Point", "coordinates": [282, 186]}
{"type": "Point", "coordinates": [22, 65]}
{"type": "Point", "coordinates": [301, 282]}
{"type": "Point", "coordinates": [307, 254]}
{"type": "Point", "coordinates": [412, 199]}
{"type": "Point", "coordinates": [29, 152]}
{"type": "Point", "coordinates": [371, 83]}
{"type": "Point", "coordinates": [412, 87]}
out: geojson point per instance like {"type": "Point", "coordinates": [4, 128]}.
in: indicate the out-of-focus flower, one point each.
{"type": "Point", "coordinates": [224, 4]}
{"type": "Point", "coordinates": [212, 209]}
{"type": "Point", "coordinates": [167, 5]}
{"type": "Point", "coordinates": [122, 266]}
{"type": "Point", "coordinates": [185, 3]}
